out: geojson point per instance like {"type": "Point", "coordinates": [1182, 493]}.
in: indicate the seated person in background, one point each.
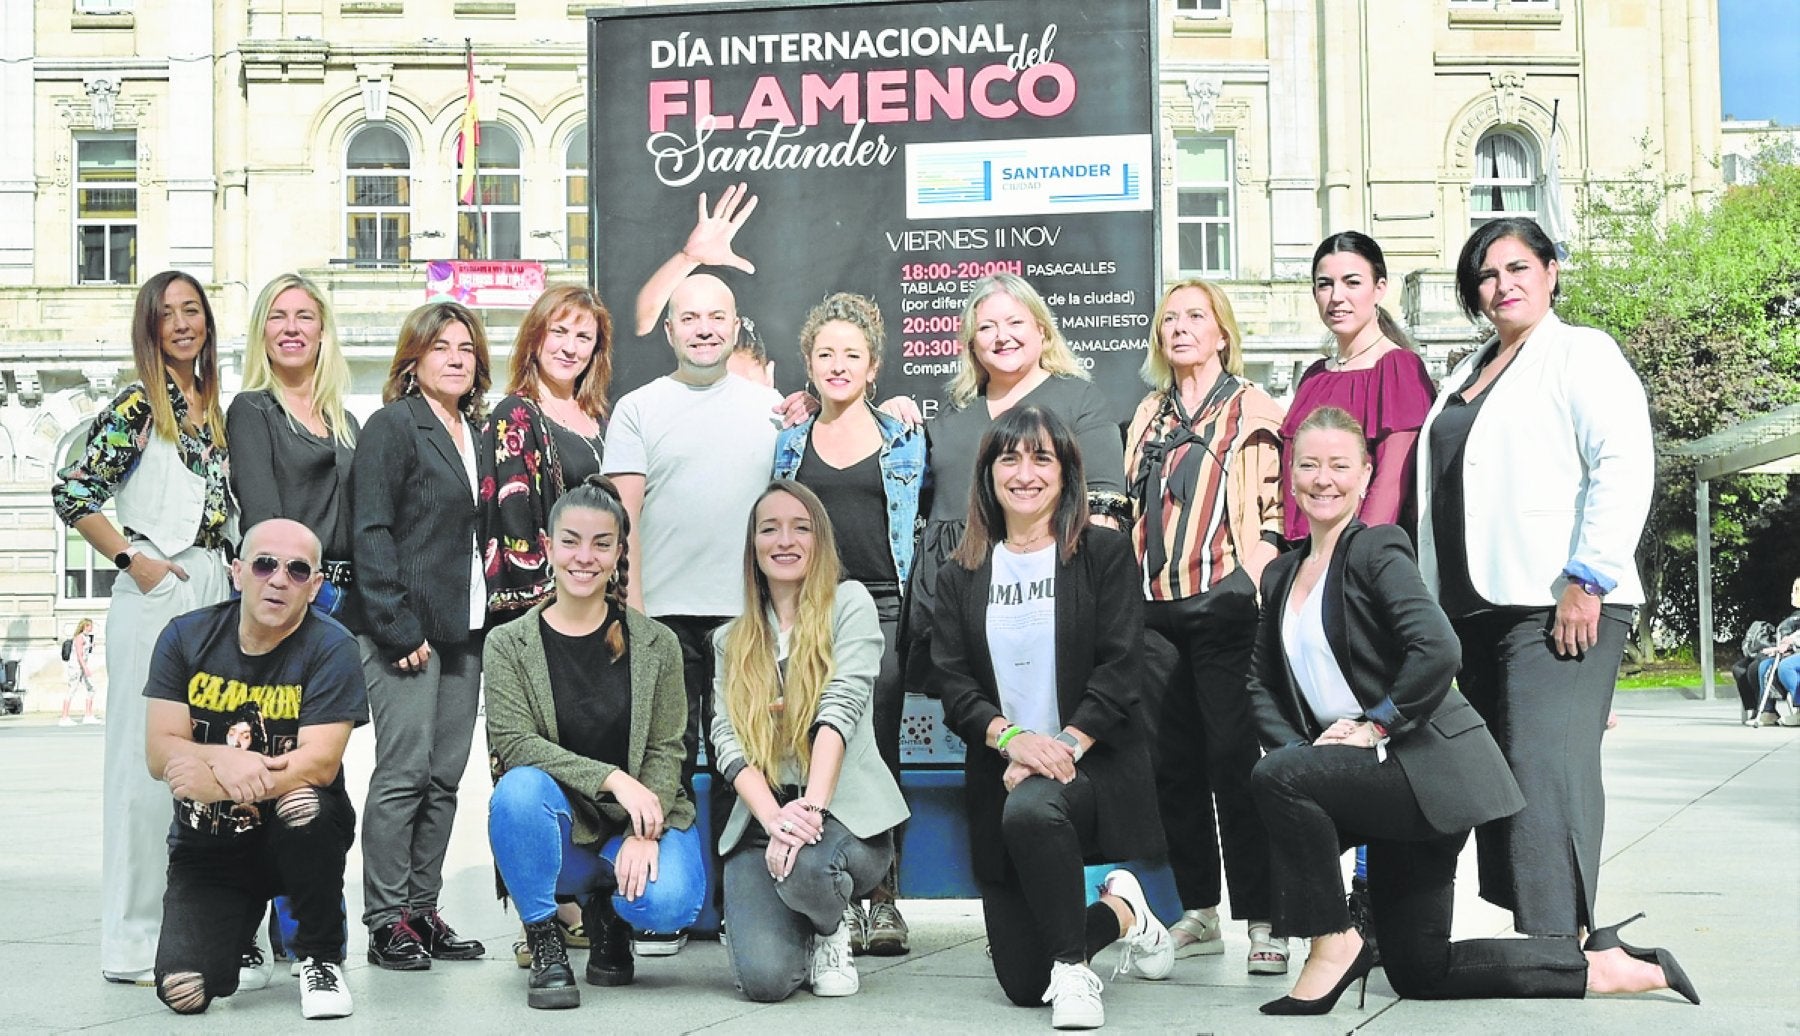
{"type": "Point", "coordinates": [251, 704]}
{"type": "Point", "coordinates": [1783, 657]}
{"type": "Point", "coordinates": [585, 716]}
{"type": "Point", "coordinates": [813, 824]}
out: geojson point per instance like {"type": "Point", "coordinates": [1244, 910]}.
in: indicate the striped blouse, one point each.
{"type": "Point", "coordinates": [1193, 509]}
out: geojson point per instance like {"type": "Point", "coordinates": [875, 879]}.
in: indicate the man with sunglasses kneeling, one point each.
{"type": "Point", "coordinates": [251, 704]}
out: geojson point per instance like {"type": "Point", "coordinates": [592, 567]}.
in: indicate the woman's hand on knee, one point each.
{"type": "Point", "coordinates": [1042, 755]}
{"type": "Point", "coordinates": [779, 857]}
{"type": "Point", "coordinates": [635, 866]}
{"type": "Point", "coordinates": [643, 805]}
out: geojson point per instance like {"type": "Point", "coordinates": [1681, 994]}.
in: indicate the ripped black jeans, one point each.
{"type": "Point", "coordinates": [220, 887]}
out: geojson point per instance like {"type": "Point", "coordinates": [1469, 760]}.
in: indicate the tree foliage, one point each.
{"type": "Point", "coordinates": [1707, 308]}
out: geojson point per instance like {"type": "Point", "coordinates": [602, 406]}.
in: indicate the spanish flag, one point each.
{"type": "Point", "coordinates": [469, 137]}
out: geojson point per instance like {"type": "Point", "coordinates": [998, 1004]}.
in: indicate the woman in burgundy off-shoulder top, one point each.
{"type": "Point", "coordinates": [1372, 375]}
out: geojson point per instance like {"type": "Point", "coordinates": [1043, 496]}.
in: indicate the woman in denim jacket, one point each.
{"type": "Point", "coordinates": [869, 470]}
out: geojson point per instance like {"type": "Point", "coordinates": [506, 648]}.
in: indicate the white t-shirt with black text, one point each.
{"type": "Point", "coordinates": [1021, 632]}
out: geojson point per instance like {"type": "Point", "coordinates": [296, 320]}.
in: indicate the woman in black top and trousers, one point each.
{"type": "Point", "coordinates": [423, 603]}
{"type": "Point", "coordinates": [1038, 645]}
{"type": "Point", "coordinates": [1368, 742]}
{"type": "Point", "coordinates": [292, 440]}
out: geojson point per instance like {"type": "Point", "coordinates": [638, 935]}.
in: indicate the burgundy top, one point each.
{"type": "Point", "coordinates": [1391, 400]}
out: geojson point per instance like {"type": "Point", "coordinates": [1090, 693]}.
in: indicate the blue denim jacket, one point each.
{"type": "Point", "coordinates": [903, 478]}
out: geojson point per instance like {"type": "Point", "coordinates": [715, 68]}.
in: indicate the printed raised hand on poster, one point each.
{"type": "Point", "coordinates": [708, 244]}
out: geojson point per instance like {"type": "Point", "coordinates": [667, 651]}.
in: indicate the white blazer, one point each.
{"type": "Point", "coordinates": [1558, 470]}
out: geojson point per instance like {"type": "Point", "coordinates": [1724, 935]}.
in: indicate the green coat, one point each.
{"type": "Point", "coordinates": [521, 722]}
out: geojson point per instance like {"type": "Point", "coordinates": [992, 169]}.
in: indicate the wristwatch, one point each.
{"type": "Point", "coordinates": [123, 558]}
{"type": "Point", "coordinates": [1074, 745]}
{"type": "Point", "coordinates": [1588, 586]}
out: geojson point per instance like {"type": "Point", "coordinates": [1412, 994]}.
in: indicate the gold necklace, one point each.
{"type": "Point", "coordinates": [1339, 363]}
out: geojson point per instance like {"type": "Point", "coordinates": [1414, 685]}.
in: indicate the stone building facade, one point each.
{"type": "Point", "coordinates": [237, 141]}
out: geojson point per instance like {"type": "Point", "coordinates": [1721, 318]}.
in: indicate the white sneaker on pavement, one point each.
{"type": "Point", "coordinates": [323, 991]}
{"type": "Point", "coordinates": [833, 970]}
{"type": "Point", "coordinates": [254, 969]}
{"type": "Point", "coordinates": [1148, 949]}
{"type": "Point", "coordinates": [1074, 997]}
{"type": "Point", "coordinates": [91, 721]}
{"type": "Point", "coordinates": [66, 721]}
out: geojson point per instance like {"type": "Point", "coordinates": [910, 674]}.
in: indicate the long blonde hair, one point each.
{"type": "Point", "coordinates": [971, 377]}
{"type": "Point", "coordinates": [331, 371]}
{"type": "Point", "coordinates": [754, 684]}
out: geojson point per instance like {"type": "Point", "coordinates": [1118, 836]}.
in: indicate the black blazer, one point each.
{"type": "Point", "coordinates": [415, 522]}
{"type": "Point", "coordinates": [1099, 669]}
{"type": "Point", "coordinates": [1398, 653]}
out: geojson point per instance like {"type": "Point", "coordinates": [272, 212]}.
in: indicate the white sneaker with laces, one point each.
{"type": "Point", "coordinates": [833, 970]}
{"type": "Point", "coordinates": [323, 991]}
{"type": "Point", "coordinates": [1074, 997]}
{"type": "Point", "coordinates": [1148, 950]}
{"type": "Point", "coordinates": [254, 969]}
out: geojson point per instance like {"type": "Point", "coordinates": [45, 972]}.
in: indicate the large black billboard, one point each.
{"type": "Point", "coordinates": [899, 150]}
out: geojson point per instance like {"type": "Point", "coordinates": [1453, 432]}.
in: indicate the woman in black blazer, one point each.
{"type": "Point", "coordinates": [1368, 742]}
{"type": "Point", "coordinates": [422, 602]}
{"type": "Point", "coordinates": [1057, 772]}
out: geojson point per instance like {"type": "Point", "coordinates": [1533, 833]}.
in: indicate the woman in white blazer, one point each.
{"type": "Point", "coordinates": [1535, 472]}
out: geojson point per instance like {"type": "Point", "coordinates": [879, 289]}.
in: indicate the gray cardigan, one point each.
{"type": "Point", "coordinates": [521, 721]}
{"type": "Point", "coordinates": [866, 799]}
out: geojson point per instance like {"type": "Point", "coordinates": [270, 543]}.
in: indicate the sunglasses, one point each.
{"type": "Point", "coordinates": [264, 566]}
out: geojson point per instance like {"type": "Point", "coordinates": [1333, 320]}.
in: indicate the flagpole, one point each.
{"type": "Point", "coordinates": [481, 236]}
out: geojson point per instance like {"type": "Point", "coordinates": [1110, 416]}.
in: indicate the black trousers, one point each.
{"type": "Point", "coordinates": [219, 889]}
{"type": "Point", "coordinates": [889, 705]}
{"type": "Point", "coordinates": [1206, 745]}
{"type": "Point", "coordinates": [695, 634]}
{"type": "Point", "coordinates": [1036, 916]}
{"type": "Point", "coordinates": [1318, 800]}
{"type": "Point", "coordinates": [1548, 714]}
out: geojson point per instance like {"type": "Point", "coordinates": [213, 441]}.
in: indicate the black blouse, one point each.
{"type": "Point", "coordinates": [855, 500]}
{"type": "Point", "coordinates": [280, 469]}
{"type": "Point", "coordinates": [592, 692]}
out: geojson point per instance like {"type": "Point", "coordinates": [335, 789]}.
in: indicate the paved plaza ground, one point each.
{"type": "Point", "coordinates": [1703, 834]}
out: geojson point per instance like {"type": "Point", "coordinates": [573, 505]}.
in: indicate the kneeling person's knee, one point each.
{"type": "Point", "coordinates": [184, 992]}
{"type": "Point", "coordinates": [297, 808]}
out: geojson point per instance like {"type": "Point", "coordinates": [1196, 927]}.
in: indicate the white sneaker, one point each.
{"type": "Point", "coordinates": [1148, 950]}
{"type": "Point", "coordinates": [91, 721]}
{"type": "Point", "coordinates": [653, 944]}
{"type": "Point", "coordinates": [254, 969]}
{"type": "Point", "coordinates": [66, 721]}
{"type": "Point", "coordinates": [323, 991]}
{"type": "Point", "coordinates": [1074, 997]}
{"type": "Point", "coordinates": [833, 970]}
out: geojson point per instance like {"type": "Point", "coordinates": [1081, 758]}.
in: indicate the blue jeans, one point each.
{"type": "Point", "coordinates": [1787, 674]}
{"type": "Point", "coordinates": [530, 828]}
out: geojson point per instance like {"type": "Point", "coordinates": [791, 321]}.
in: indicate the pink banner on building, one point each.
{"type": "Point", "coordinates": [490, 285]}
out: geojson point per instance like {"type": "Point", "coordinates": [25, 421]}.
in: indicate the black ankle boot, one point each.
{"type": "Point", "coordinates": [552, 982]}
{"type": "Point", "coordinates": [609, 941]}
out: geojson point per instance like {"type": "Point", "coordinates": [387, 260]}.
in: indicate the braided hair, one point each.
{"type": "Point", "coordinates": [597, 493]}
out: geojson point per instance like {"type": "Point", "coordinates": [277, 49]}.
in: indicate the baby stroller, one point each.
{"type": "Point", "coordinates": [12, 698]}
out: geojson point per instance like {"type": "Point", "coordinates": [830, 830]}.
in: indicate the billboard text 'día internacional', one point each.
{"type": "Point", "coordinates": [899, 150]}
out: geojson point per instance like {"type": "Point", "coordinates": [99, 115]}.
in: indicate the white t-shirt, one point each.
{"type": "Point", "coordinates": [1315, 667]}
{"type": "Point", "coordinates": [477, 576]}
{"type": "Point", "coordinates": [1021, 632]}
{"type": "Point", "coordinates": [705, 453]}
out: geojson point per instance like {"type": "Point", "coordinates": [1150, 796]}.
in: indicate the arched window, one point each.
{"type": "Point", "coordinates": [489, 229]}
{"type": "Point", "coordinates": [1506, 180]}
{"type": "Point", "coordinates": [575, 199]}
{"type": "Point", "coordinates": [378, 196]}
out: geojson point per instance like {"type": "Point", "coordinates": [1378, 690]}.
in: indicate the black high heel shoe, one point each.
{"type": "Point", "coordinates": [1608, 939]}
{"type": "Point", "coordinates": [1359, 969]}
